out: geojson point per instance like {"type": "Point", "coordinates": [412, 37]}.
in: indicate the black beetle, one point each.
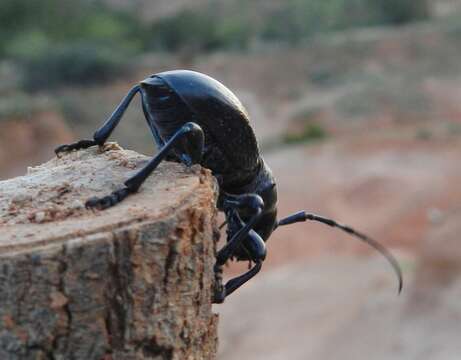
{"type": "Point", "coordinates": [196, 119]}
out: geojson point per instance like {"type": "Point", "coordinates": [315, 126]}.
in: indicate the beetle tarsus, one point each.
{"type": "Point", "coordinates": [109, 200]}
{"type": "Point", "coordinates": [235, 283]}
{"type": "Point", "coordinates": [249, 202]}
{"type": "Point", "coordinates": [82, 144]}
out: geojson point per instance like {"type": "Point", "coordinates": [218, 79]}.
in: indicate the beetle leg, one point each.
{"type": "Point", "coordinates": [190, 131]}
{"type": "Point", "coordinates": [258, 256]}
{"type": "Point", "coordinates": [235, 283]}
{"type": "Point", "coordinates": [101, 135]}
{"type": "Point", "coordinates": [302, 216]}
{"type": "Point", "coordinates": [255, 247]}
{"type": "Point", "coordinates": [249, 202]}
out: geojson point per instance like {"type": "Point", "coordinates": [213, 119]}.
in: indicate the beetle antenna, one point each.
{"type": "Point", "coordinates": [302, 216]}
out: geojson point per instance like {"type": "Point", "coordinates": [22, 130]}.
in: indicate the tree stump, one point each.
{"type": "Point", "coordinates": [130, 282]}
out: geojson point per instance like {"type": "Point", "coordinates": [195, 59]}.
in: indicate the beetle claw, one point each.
{"type": "Point", "coordinates": [92, 202]}
{"type": "Point", "coordinates": [99, 203]}
{"type": "Point", "coordinates": [82, 144]}
{"type": "Point", "coordinates": [61, 149]}
{"type": "Point", "coordinates": [109, 200]}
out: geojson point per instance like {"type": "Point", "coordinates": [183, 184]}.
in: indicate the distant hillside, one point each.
{"type": "Point", "coordinates": [153, 10]}
{"type": "Point", "coordinates": [445, 7]}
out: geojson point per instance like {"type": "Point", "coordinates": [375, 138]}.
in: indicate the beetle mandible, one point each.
{"type": "Point", "coordinates": [195, 119]}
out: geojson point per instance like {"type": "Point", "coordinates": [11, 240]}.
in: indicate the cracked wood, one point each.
{"type": "Point", "coordinates": [131, 282]}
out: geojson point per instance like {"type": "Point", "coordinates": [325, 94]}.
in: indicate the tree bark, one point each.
{"type": "Point", "coordinates": [131, 282]}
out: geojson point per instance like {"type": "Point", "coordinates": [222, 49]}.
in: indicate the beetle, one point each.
{"type": "Point", "coordinates": [196, 119]}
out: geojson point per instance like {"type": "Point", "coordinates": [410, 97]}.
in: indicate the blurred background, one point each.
{"type": "Point", "coordinates": [357, 107]}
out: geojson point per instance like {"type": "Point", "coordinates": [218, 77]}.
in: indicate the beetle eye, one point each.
{"type": "Point", "coordinates": [160, 95]}
{"type": "Point", "coordinates": [163, 101]}
{"type": "Point", "coordinates": [161, 91]}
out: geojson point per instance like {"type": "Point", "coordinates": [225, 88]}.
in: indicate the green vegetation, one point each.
{"type": "Point", "coordinates": [64, 21]}
{"type": "Point", "coordinates": [401, 11]}
{"type": "Point", "coordinates": [20, 105]}
{"type": "Point", "coordinates": [454, 129]}
{"type": "Point", "coordinates": [291, 21]}
{"type": "Point", "coordinates": [304, 18]}
{"type": "Point", "coordinates": [310, 132]}
{"type": "Point", "coordinates": [66, 42]}
{"type": "Point", "coordinates": [48, 66]}
{"type": "Point", "coordinates": [199, 31]}
{"type": "Point", "coordinates": [62, 42]}
{"type": "Point", "coordinates": [424, 134]}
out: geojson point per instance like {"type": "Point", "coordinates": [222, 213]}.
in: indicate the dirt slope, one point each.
{"type": "Point", "coordinates": [26, 142]}
{"type": "Point", "coordinates": [342, 308]}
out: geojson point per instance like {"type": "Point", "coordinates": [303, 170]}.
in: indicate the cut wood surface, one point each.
{"type": "Point", "coordinates": [130, 282]}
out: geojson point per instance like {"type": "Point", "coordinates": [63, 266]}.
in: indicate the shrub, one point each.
{"type": "Point", "coordinates": [402, 11]}
{"type": "Point", "coordinates": [186, 29]}
{"type": "Point", "coordinates": [300, 18]}
{"type": "Point", "coordinates": [310, 132]}
{"type": "Point", "coordinates": [198, 31]}
{"type": "Point", "coordinates": [20, 105]}
{"type": "Point", "coordinates": [48, 66]}
{"type": "Point", "coordinates": [61, 42]}
{"type": "Point", "coordinates": [66, 21]}
{"type": "Point", "coordinates": [290, 21]}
